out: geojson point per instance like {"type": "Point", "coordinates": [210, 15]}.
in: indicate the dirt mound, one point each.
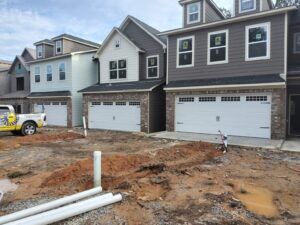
{"type": "Point", "coordinates": [113, 165]}
{"type": "Point", "coordinates": [38, 138]}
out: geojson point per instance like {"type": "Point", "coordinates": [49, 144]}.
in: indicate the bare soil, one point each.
{"type": "Point", "coordinates": [162, 182]}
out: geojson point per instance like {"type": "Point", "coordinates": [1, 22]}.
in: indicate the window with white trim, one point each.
{"type": "Point", "coordinates": [37, 75]}
{"type": "Point", "coordinates": [58, 47]}
{"type": "Point", "coordinates": [217, 47]}
{"type": "Point", "coordinates": [193, 12]}
{"type": "Point", "coordinates": [118, 69]}
{"type": "Point", "coordinates": [152, 66]}
{"type": "Point", "coordinates": [39, 50]}
{"type": "Point", "coordinates": [185, 52]}
{"type": "Point", "coordinates": [258, 41]}
{"type": "Point", "coordinates": [297, 43]}
{"type": "Point", "coordinates": [62, 71]}
{"type": "Point", "coordinates": [247, 5]}
{"type": "Point", "coordinates": [49, 73]}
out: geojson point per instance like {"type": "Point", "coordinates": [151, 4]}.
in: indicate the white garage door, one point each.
{"type": "Point", "coordinates": [237, 115]}
{"type": "Point", "coordinates": [121, 116]}
{"type": "Point", "coordinates": [56, 113]}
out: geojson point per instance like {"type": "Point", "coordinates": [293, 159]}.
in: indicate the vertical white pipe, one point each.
{"type": "Point", "coordinates": [84, 126]}
{"type": "Point", "coordinates": [97, 169]}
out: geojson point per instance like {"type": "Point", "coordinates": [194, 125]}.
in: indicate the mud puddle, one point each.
{"type": "Point", "coordinates": [257, 199]}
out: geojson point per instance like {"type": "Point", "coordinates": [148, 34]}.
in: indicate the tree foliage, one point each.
{"type": "Point", "coordinates": [285, 3]}
{"type": "Point", "coordinates": [226, 12]}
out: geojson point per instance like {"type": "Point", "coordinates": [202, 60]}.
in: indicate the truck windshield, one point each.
{"type": "Point", "coordinates": [4, 110]}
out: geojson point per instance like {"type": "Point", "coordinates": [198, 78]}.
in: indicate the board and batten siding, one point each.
{"type": "Point", "coordinates": [84, 74]}
{"type": "Point", "coordinates": [147, 43]}
{"type": "Point", "coordinates": [110, 53]}
{"type": "Point", "coordinates": [55, 84]}
{"type": "Point", "coordinates": [237, 65]}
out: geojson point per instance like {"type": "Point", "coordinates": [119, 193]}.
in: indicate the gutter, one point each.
{"type": "Point", "coordinates": [278, 85]}
{"type": "Point", "coordinates": [231, 20]}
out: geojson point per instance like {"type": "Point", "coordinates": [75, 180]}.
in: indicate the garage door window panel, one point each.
{"type": "Point", "coordinates": [120, 103]}
{"type": "Point", "coordinates": [207, 99]}
{"type": "Point", "coordinates": [218, 47]}
{"type": "Point", "coordinates": [258, 42]}
{"type": "Point", "coordinates": [152, 66]}
{"type": "Point", "coordinates": [185, 52]}
{"type": "Point", "coordinates": [256, 98]}
{"type": "Point", "coordinates": [231, 99]}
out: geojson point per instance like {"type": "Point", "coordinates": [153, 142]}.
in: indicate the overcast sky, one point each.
{"type": "Point", "coordinates": [23, 22]}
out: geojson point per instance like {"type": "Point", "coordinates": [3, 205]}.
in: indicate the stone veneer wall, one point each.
{"type": "Point", "coordinates": [33, 101]}
{"type": "Point", "coordinates": [278, 124]}
{"type": "Point", "coordinates": [141, 97]}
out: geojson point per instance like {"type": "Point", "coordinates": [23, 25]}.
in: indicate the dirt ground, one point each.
{"type": "Point", "coordinates": [162, 181]}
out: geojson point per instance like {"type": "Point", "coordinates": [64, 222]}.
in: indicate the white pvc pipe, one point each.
{"type": "Point", "coordinates": [84, 126]}
{"type": "Point", "coordinates": [49, 205]}
{"type": "Point", "coordinates": [69, 211]}
{"type": "Point", "coordinates": [97, 169]}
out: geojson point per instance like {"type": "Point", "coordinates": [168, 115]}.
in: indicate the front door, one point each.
{"type": "Point", "coordinates": [295, 115]}
{"type": "Point", "coordinates": [8, 119]}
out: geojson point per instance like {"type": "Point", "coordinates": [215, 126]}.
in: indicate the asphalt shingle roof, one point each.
{"type": "Point", "coordinates": [126, 86]}
{"type": "Point", "coordinates": [257, 79]}
{"type": "Point", "coordinates": [50, 94]}
{"type": "Point", "coordinates": [77, 39]}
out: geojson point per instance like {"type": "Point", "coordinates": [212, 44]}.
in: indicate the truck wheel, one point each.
{"type": "Point", "coordinates": [28, 128]}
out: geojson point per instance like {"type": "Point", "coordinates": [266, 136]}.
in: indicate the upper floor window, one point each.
{"type": "Point", "coordinates": [193, 12]}
{"type": "Point", "coordinates": [58, 47]}
{"type": "Point", "coordinates": [39, 50]}
{"type": "Point", "coordinates": [37, 75]}
{"type": "Point", "coordinates": [118, 69]}
{"type": "Point", "coordinates": [117, 43]}
{"type": "Point", "coordinates": [247, 5]}
{"type": "Point", "coordinates": [19, 66]}
{"type": "Point", "coordinates": [49, 73]}
{"type": "Point", "coordinates": [297, 43]}
{"type": "Point", "coordinates": [153, 66]}
{"type": "Point", "coordinates": [185, 52]}
{"type": "Point", "coordinates": [258, 42]}
{"type": "Point", "coordinates": [62, 71]}
{"type": "Point", "coordinates": [218, 47]}
{"type": "Point", "coordinates": [20, 83]}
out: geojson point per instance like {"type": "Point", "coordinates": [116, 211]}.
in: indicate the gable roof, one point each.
{"type": "Point", "coordinates": [30, 51]}
{"type": "Point", "coordinates": [211, 2]}
{"type": "Point", "coordinates": [21, 60]}
{"type": "Point", "coordinates": [110, 35]}
{"type": "Point", "coordinates": [77, 39]}
{"type": "Point", "coordinates": [154, 33]}
{"type": "Point", "coordinates": [45, 41]}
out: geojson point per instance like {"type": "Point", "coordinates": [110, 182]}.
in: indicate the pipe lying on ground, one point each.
{"type": "Point", "coordinates": [69, 211]}
{"type": "Point", "coordinates": [48, 206]}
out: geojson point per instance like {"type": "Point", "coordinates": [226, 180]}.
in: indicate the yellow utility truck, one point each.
{"type": "Point", "coordinates": [24, 124]}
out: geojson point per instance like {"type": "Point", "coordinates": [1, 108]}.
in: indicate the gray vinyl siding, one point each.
{"type": "Point", "coordinates": [157, 110]}
{"type": "Point", "coordinates": [210, 14]}
{"type": "Point", "coordinates": [237, 65]}
{"type": "Point", "coordinates": [48, 51]}
{"type": "Point", "coordinates": [149, 45]}
{"type": "Point", "coordinates": [27, 57]}
{"type": "Point", "coordinates": [70, 46]}
{"type": "Point", "coordinates": [4, 82]}
{"type": "Point", "coordinates": [13, 81]}
{"type": "Point", "coordinates": [184, 8]}
{"type": "Point", "coordinates": [294, 21]}
{"type": "Point", "coordinates": [237, 8]}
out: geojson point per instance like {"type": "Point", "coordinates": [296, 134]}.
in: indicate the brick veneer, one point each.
{"type": "Point", "coordinates": [278, 123]}
{"type": "Point", "coordinates": [142, 97]}
{"type": "Point", "coordinates": [33, 101]}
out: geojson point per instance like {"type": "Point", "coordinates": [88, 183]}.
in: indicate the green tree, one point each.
{"type": "Point", "coordinates": [226, 12]}
{"type": "Point", "coordinates": [285, 3]}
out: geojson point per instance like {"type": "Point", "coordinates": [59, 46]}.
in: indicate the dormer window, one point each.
{"type": "Point", "coordinates": [193, 12]}
{"type": "Point", "coordinates": [247, 5]}
{"type": "Point", "coordinates": [58, 47]}
{"type": "Point", "coordinates": [117, 43]}
{"type": "Point", "coordinates": [39, 51]}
